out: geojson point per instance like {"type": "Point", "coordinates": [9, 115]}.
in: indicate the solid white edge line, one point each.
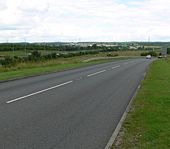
{"type": "Point", "coordinates": [115, 67]}
{"type": "Point", "coordinates": [38, 92]}
{"type": "Point", "coordinates": [120, 123]}
{"type": "Point", "coordinates": [95, 73]}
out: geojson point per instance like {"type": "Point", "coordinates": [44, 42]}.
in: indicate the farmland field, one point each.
{"type": "Point", "coordinates": [43, 52]}
{"type": "Point", "coordinates": [33, 68]}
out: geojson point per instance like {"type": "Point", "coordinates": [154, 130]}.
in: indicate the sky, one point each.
{"type": "Point", "coordinates": [84, 20]}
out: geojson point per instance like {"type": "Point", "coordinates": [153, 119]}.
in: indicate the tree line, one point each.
{"type": "Point", "coordinates": [9, 61]}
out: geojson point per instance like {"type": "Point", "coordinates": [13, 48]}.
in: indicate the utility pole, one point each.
{"type": "Point", "coordinates": [13, 50]}
{"type": "Point", "coordinates": [149, 38]}
{"type": "Point", "coordinates": [44, 48]}
{"type": "Point", "coordinates": [25, 47]}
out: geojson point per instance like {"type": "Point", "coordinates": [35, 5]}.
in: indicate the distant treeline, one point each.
{"type": "Point", "coordinates": [23, 46]}
{"type": "Point", "coordinates": [77, 46]}
{"type": "Point", "coordinates": [153, 43]}
{"type": "Point", "coordinates": [45, 46]}
{"type": "Point", "coordinates": [58, 47]}
{"type": "Point", "coordinates": [152, 53]}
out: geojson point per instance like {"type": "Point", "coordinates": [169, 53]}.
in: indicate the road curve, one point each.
{"type": "Point", "coordinates": [74, 109]}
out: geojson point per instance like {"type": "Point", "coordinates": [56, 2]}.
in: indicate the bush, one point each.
{"type": "Point", "coordinates": [112, 55]}
{"type": "Point", "coordinates": [50, 56]}
{"type": "Point", "coordinates": [53, 55]}
{"type": "Point", "coordinates": [8, 61]}
{"type": "Point", "coordinates": [144, 54]}
{"type": "Point", "coordinates": [168, 50]}
{"type": "Point", "coordinates": [34, 56]}
{"type": "Point", "coordinates": [152, 53]}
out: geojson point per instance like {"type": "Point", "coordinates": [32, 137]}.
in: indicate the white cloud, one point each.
{"type": "Point", "coordinates": [2, 4]}
{"type": "Point", "coordinates": [71, 20]}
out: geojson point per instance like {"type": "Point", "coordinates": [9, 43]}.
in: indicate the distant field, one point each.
{"type": "Point", "coordinates": [39, 67]}
{"type": "Point", "coordinates": [128, 53]}
{"type": "Point", "coordinates": [154, 47]}
{"type": "Point", "coordinates": [148, 123]}
{"type": "Point", "coordinates": [59, 64]}
{"type": "Point", "coordinates": [22, 53]}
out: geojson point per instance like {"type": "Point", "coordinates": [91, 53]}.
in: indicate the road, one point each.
{"type": "Point", "coordinates": [74, 109]}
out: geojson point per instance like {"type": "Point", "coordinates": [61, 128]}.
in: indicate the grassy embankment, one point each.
{"type": "Point", "coordinates": [35, 68]}
{"type": "Point", "coordinates": [43, 52]}
{"type": "Point", "coordinates": [22, 53]}
{"type": "Point", "coordinates": [147, 125]}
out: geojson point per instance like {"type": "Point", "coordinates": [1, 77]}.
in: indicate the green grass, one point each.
{"type": "Point", "coordinates": [36, 71]}
{"type": "Point", "coordinates": [10, 53]}
{"type": "Point", "coordinates": [22, 53]}
{"type": "Point", "coordinates": [59, 64]}
{"type": "Point", "coordinates": [148, 123]}
{"type": "Point", "coordinates": [37, 68]}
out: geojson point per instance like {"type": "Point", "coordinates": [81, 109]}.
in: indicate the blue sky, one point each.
{"type": "Point", "coordinates": [84, 20]}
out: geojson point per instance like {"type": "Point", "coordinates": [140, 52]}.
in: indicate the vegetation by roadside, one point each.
{"type": "Point", "coordinates": [21, 53]}
{"type": "Point", "coordinates": [35, 67]}
{"type": "Point", "coordinates": [147, 125]}
{"type": "Point", "coordinates": [152, 53]}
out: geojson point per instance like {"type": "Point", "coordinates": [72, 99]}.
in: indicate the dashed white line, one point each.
{"type": "Point", "coordinates": [44, 90]}
{"type": "Point", "coordinates": [38, 92]}
{"type": "Point", "coordinates": [96, 73]}
{"type": "Point", "coordinates": [116, 67]}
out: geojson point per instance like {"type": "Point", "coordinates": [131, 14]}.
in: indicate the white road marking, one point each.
{"type": "Point", "coordinates": [95, 73]}
{"type": "Point", "coordinates": [116, 67]}
{"type": "Point", "coordinates": [139, 86]}
{"type": "Point", "coordinates": [44, 90]}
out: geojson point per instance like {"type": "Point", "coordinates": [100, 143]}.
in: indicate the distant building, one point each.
{"type": "Point", "coordinates": [133, 48]}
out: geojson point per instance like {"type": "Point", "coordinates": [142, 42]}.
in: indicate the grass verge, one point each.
{"type": "Point", "coordinates": [38, 68]}
{"type": "Point", "coordinates": [147, 125]}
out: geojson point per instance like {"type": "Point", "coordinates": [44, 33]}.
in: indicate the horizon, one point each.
{"type": "Point", "coordinates": [86, 42]}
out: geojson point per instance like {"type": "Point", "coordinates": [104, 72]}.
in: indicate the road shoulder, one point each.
{"type": "Point", "coordinates": [147, 124]}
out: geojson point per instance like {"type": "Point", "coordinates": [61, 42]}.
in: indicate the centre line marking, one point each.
{"type": "Point", "coordinates": [96, 73]}
{"type": "Point", "coordinates": [115, 67]}
{"type": "Point", "coordinates": [38, 92]}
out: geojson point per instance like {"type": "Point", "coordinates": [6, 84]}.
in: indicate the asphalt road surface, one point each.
{"type": "Point", "coordinates": [74, 109]}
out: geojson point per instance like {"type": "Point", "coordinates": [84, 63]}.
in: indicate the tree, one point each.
{"type": "Point", "coordinates": [168, 51]}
